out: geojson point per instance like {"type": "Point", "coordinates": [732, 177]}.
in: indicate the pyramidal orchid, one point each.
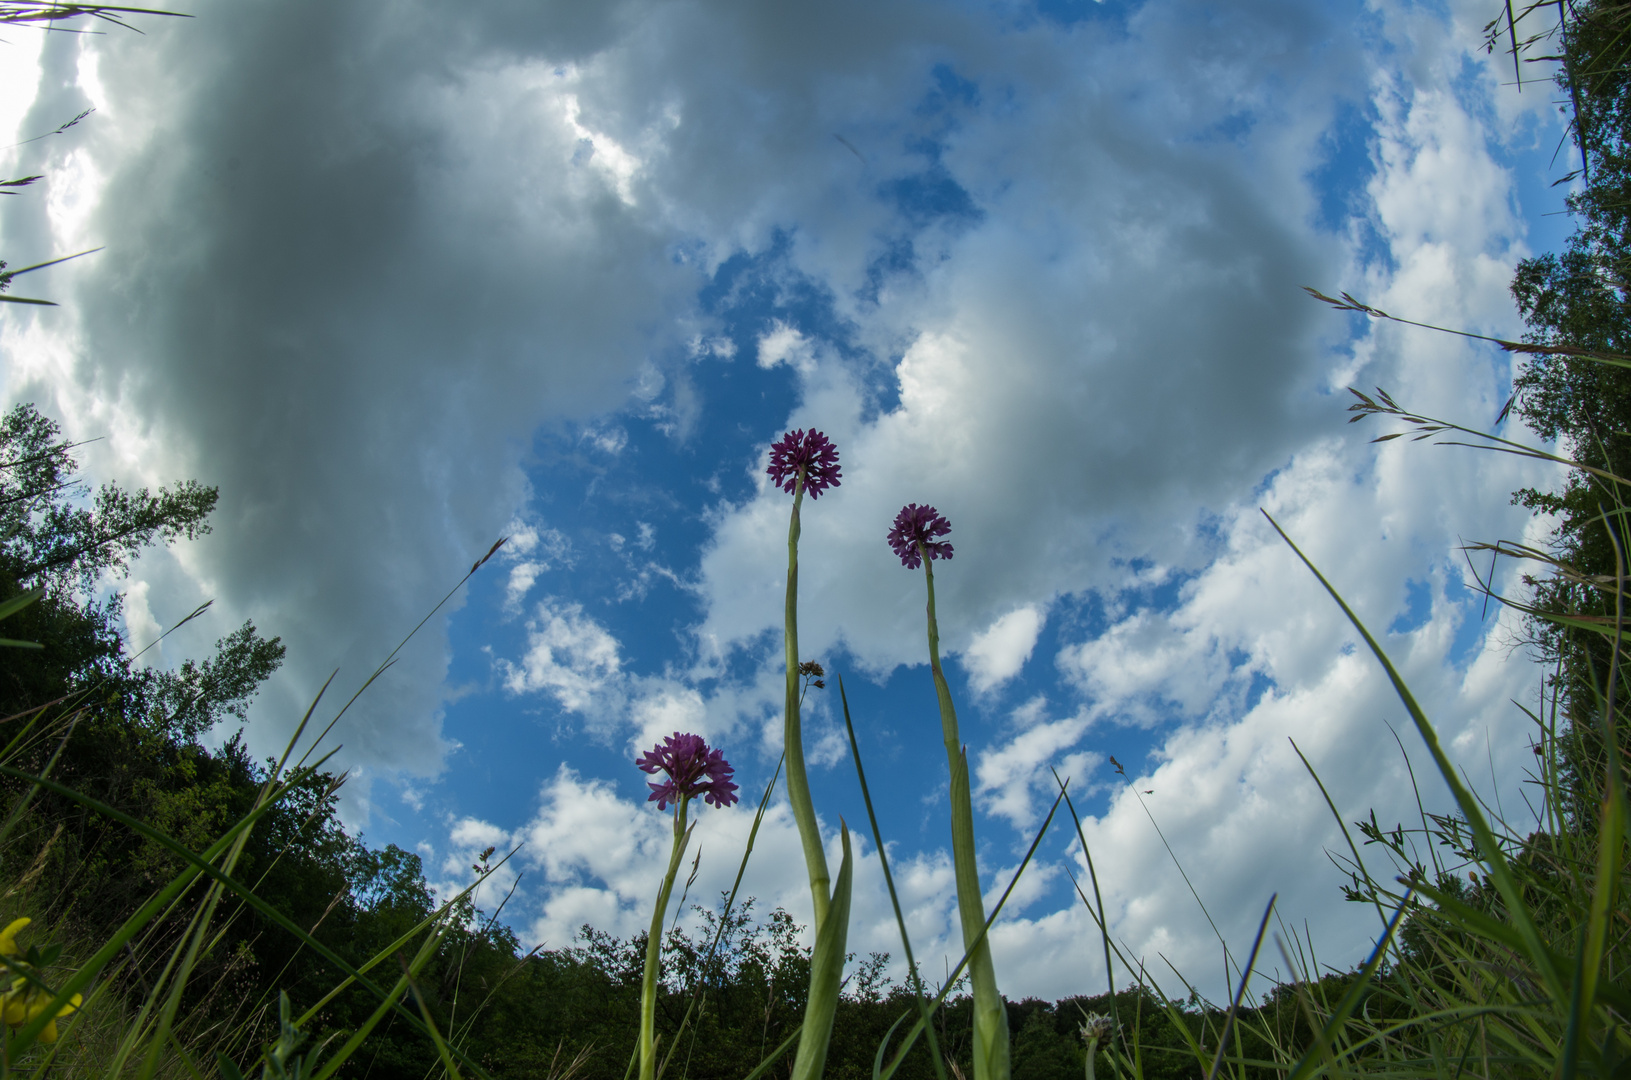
{"type": "Point", "coordinates": [806, 462]}
{"type": "Point", "coordinates": [916, 539]}
{"type": "Point", "coordinates": [690, 769]}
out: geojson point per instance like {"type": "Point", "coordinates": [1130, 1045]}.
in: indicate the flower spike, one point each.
{"type": "Point", "coordinates": [915, 532]}
{"type": "Point", "coordinates": [692, 769]}
{"type": "Point", "coordinates": [811, 454]}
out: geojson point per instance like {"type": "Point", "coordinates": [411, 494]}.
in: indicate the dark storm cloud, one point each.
{"type": "Point", "coordinates": [316, 298]}
{"type": "Point", "coordinates": [356, 255]}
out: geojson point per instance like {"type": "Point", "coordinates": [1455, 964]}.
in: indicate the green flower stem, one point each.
{"type": "Point", "coordinates": [831, 904]}
{"type": "Point", "coordinates": [654, 946]}
{"type": "Point", "coordinates": [798, 784]}
{"type": "Point", "coordinates": [990, 1014]}
{"type": "Point", "coordinates": [826, 973]}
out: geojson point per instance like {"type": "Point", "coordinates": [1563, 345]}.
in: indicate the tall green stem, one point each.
{"type": "Point", "coordinates": [990, 1014]}
{"type": "Point", "coordinates": [654, 946]}
{"type": "Point", "coordinates": [798, 784]}
{"type": "Point", "coordinates": [831, 906]}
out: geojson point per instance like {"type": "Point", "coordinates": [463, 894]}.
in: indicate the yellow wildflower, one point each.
{"type": "Point", "coordinates": [8, 937]}
{"type": "Point", "coordinates": [14, 1006]}
{"type": "Point", "coordinates": [37, 1002]}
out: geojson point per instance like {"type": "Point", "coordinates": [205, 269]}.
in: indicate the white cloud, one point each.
{"type": "Point", "coordinates": [522, 220]}
{"type": "Point", "coordinates": [1010, 411]}
{"type": "Point", "coordinates": [1010, 775]}
{"type": "Point", "coordinates": [532, 551]}
{"type": "Point", "coordinates": [569, 655]}
{"type": "Point", "coordinates": [608, 440]}
{"type": "Point", "coordinates": [668, 709]}
{"type": "Point", "coordinates": [141, 628]}
{"type": "Point", "coordinates": [784, 344]}
{"type": "Point", "coordinates": [522, 577]}
{"type": "Point", "coordinates": [19, 82]}
{"type": "Point", "coordinates": [999, 651]}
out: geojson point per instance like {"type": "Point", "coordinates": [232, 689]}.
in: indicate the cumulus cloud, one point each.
{"type": "Point", "coordinates": [1071, 467]}
{"type": "Point", "coordinates": [667, 709]}
{"type": "Point", "coordinates": [1010, 774]}
{"type": "Point", "coordinates": [568, 654]}
{"type": "Point", "coordinates": [998, 652]}
{"type": "Point", "coordinates": [784, 344]}
{"type": "Point", "coordinates": [531, 551]}
{"type": "Point", "coordinates": [406, 261]}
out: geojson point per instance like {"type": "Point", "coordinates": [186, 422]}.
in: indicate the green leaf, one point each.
{"type": "Point", "coordinates": [19, 602]}
{"type": "Point", "coordinates": [826, 970]}
{"type": "Point", "coordinates": [894, 900]}
{"type": "Point", "coordinates": [951, 978]}
{"type": "Point", "coordinates": [50, 262]}
{"type": "Point", "coordinates": [877, 1059]}
{"type": "Point", "coordinates": [775, 1055]}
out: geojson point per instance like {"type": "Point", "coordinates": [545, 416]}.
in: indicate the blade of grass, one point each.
{"type": "Point", "coordinates": [1227, 956]}
{"type": "Point", "coordinates": [390, 657]}
{"type": "Point", "coordinates": [442, 1049]}
{"type": "Point", "coordinates": [1571, 1030]}
{"type": "Point", "coordinates": [1245, 977]}
{"type": "Point", "coordinates": [894, 900]}
{"type": "Point", "coordinates": [19, 602]}
{"type": "Point", "coordinates": [1350, 1000]}
{"type": "Point", "coordinates": [877, 1058]}
{"type": "Point", "coordinates": [1104, 928]}
{"type": "Point", "coordinates": [199, 865]}
{"type": "Point", "coordinates": [1488, 846]}
{"type": "Point", "coordinates": [51, 262]}
{"type": "Point", "coordinates": [1611, 830]}
{"type": "Point", "coordinates": [350, 1046]}
{"type": "Point", "coordinates": [917, 1029]}
{"type": "Point", "coordinates": [776, 1054]}
{"type": "Point", "coordinates": [1341, 824]}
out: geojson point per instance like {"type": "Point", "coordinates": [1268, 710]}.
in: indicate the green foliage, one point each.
{"type": "Point", "coordinates": [48, 536]}
{"type": "Point", "coordinates": [125, 741]}
{"type": "Point", "coordinates": [1577, 300]}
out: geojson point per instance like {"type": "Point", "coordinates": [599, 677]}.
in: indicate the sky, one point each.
{"type": "Point", "coordinates": [402, 281]}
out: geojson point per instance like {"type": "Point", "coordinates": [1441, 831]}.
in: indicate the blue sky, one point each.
{"type": "Point", "coordinates": [402, 284]}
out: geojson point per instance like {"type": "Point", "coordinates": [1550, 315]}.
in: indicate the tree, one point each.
{"type": "Point", "coordinates": [57, 536]}
{"type": "Point", "coordinates": [1580, 298]}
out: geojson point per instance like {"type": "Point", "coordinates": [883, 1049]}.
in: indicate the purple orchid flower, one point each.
{"type": "Point", "coordinates": [810, 453]}
{"type": "Point", "coordinates": [692, 770]}
{"type": "Point", "coordinates": [916, 528]}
